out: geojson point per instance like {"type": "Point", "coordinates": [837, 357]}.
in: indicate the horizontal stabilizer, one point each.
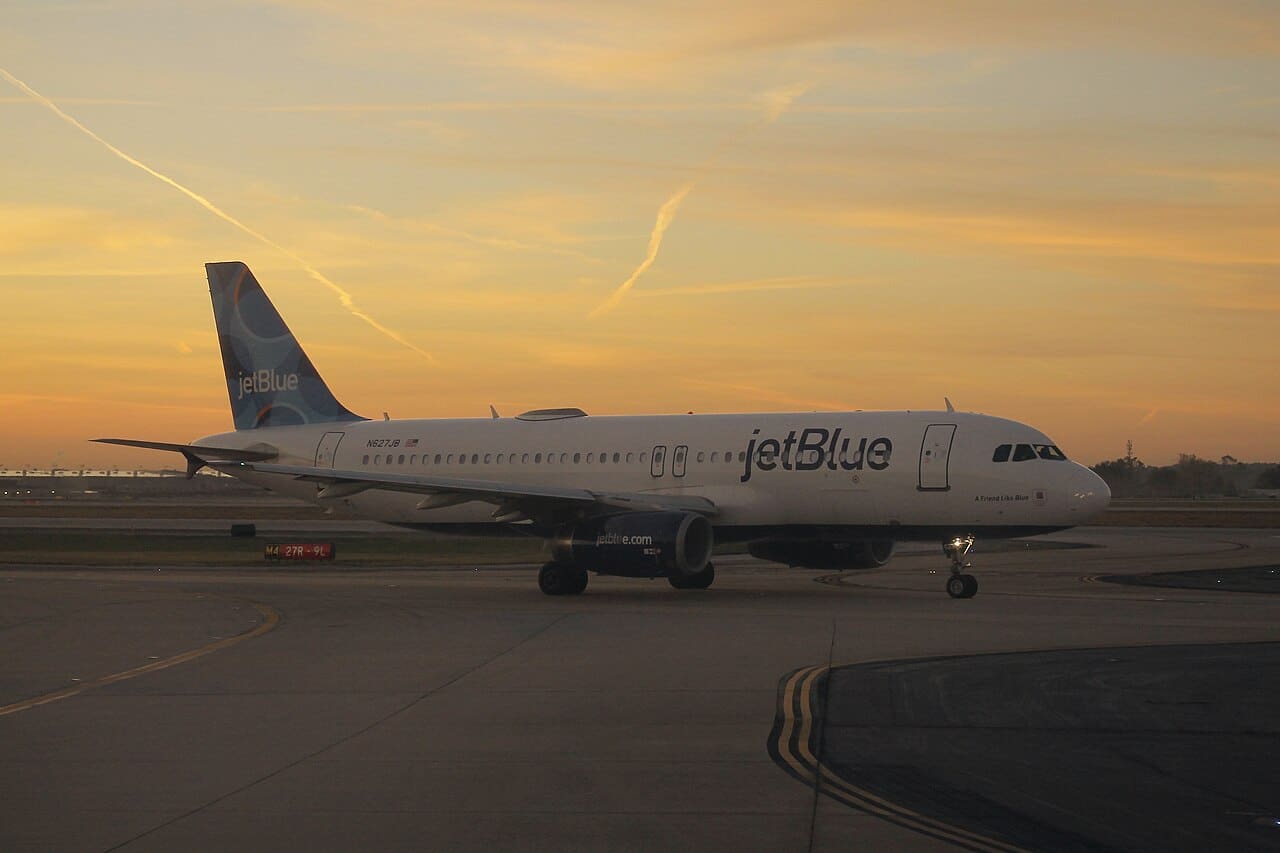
{"type": "Point", "coordinates": [196, 455]}
{"type": "Point", "coordinates": [198, 450]}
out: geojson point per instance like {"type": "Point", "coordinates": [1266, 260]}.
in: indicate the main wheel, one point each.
{"type": "Point", "coordinates": [701, 580]}
{"type": "Point", "coordinates": [561, 579]}
{"type": "Point", "coordinates": [962, 586]}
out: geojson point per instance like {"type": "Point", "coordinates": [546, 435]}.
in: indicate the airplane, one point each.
{"type": "Point", "coordinates": [643, 496]}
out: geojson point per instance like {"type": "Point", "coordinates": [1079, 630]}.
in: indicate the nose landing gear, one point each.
{"type": "Point", "coordinates": [960, 585]}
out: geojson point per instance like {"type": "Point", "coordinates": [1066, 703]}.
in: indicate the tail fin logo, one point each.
{"type": "Point", "coordinates": [266, 382]}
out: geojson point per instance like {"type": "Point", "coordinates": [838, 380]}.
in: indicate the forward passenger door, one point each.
{"type": "Point", "coordinates": [935, 457]}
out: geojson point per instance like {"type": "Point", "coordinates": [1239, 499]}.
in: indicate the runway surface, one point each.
{"type": "Point", "coordinates": [407, 709]}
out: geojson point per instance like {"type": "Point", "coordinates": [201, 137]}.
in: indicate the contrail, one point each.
{"type": "Point", "coordinates": [666, 213]}
{"type": "Point", "coordinates": [466, 236]}
{"type": "Point", "coordinates": [775, 103]}
{"type": "Point", "coordinates": [343, 297]}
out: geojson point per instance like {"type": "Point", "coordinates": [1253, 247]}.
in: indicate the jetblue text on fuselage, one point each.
{"type": "Point", "coordinates": [814, 448]}
{"type": "Point", "coordinates": [266, 381]}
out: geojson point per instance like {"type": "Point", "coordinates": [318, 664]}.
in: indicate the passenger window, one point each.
{"type": "Point", "coordinates": [742, 456]}
{"type": "Point", "coordinates": [450, 459]}
{"type": "Point", "coordinates": [524, 459]}
{"type": "Point", "coordinates": [487, 457]}
{"type": "Point", "coordinates": [644, 456]}
{"type": "Point", "coordinates": [537, 458]}
{"type": "Point", "coordinates": [617, 457]}
{"type": "Point", "coordinates": [577, 458]}
{"type": "Point", "coordinates": [365, 461]}
{"type": "Point", "coordinates": [564, 458]}
{"type": "Point", "coordinates": [437, 458]}
{"type": "Point", "coordinates": [462, 459]}
{"type": "Point", "coordinates": [413, 460]}
{"type": "Point", "coordinates": [591, 457]}
{"type": "Point", "coordinates": [1002, 453]}
{"type": "Point", "coordinates": [629, 457]}
{"type": "Point", "coordinates": [475, 458]}
{"type": "Point", "coordinates": [499, 459]}
{"type": "Point", "coordinates": [1023, 452]}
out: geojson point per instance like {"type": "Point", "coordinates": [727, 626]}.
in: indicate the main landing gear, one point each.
{"type": "Point", "coordinates": [960, 585]}
{"type": "Point", "coordinates": [562, 579]}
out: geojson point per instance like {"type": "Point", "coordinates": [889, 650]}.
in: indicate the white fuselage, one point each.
{"type": "Point", "coordinates": [904, 474]}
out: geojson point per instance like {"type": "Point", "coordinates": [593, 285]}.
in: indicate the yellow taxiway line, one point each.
{"type": "Point", "coordinates": [270, 619]}
{"type": "Point", "coordinates": [796, 703]}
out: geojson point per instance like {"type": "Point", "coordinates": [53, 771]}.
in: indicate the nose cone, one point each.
{"type": "Point", "coordinates": [1090, 494]}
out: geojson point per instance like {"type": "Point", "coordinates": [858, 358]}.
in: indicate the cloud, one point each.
{"type": "Point", "coordinates": [750, 286]}
{"type": "Point", "coordinates": [425, 227]}
{"type": "Point", "coordinates": [111, 102]}
{"type": "Point", "coordinates": [681, 45]}
{"type": "Point", "coordinates": [778, 100]}
{"type": "Point", "coordinates": [757, 394]}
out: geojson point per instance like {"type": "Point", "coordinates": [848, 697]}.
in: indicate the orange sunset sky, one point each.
{"type": "Point", "coordinates": [1067, 213]}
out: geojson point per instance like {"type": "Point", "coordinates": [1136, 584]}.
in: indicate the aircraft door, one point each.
{"type": "Point", "coordinates": [678, 460]}
{"type": "Point", "coordinates": [327, 449]}
{"type": "Point", "coordinates": [659, 461]}
{"type": "Point", "coordinates": [935, 453]}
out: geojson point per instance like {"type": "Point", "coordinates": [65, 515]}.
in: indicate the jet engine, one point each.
{"type": "Point", "coordinates": [637, 544]}
{"type": "Point", "coordinates": [834, 556]}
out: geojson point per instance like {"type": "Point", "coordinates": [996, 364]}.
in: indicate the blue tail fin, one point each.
{"type": "Point", "coordinates": [270, 379]}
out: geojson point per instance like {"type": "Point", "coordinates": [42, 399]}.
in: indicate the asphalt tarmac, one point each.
{"type": "Point", "coordinates": [292, 707]}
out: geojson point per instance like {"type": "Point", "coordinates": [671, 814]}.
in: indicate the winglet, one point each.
{"type": "Point", "coordinates": [950, 408]}
{"type": "Point", "coordinates": [493, 411]}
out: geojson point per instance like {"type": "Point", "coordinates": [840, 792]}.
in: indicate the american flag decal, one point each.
{"type": "Point", "coordinates": [413, 442]}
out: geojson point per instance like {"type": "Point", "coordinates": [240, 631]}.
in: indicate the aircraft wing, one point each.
{"type": "Point", "coordinates": [514, 500]}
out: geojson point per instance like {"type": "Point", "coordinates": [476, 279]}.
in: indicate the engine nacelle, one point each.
{"type": "Point", "coordinates": [637, 544]}
{"type": "Point", "coordinates": [833, 556]}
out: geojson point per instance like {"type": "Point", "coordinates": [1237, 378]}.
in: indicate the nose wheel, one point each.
{"type": "Point", "coordinates": [960, 584]}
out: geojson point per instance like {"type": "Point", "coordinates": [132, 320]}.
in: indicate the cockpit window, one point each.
{"type": "Point", "coordinates": [1023, 452]}
{"type": "Point", "coordinates": [1049, 451]}
{"type": "Point", "coordinates": [1002, 453]}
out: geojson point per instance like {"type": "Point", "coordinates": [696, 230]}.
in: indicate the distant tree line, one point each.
{"type": "Point", "coordinates": [1189, 477]}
